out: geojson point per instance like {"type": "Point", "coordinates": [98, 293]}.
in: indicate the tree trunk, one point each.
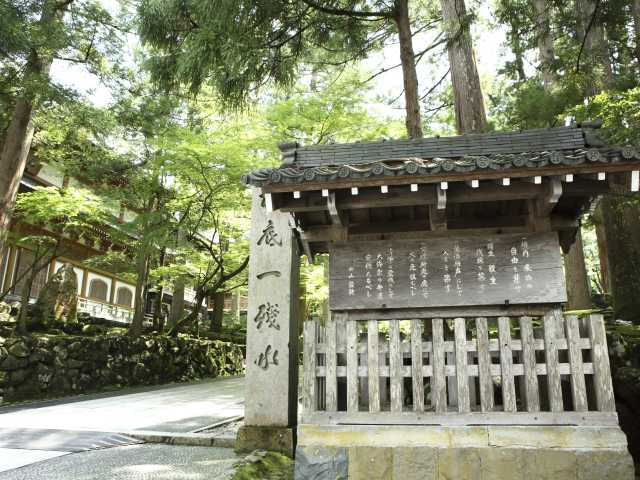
{"type": "Point", "coordinates": [157, 311]}
{"type": "Point", "coordinates": [545, 42]}
{"type": "Point", "coordinates": [407, 59]}
{"type": "Point", "coordinates": [142, 267]}
{"type": "Point", "coordinates": [21, 324]}
{"type": "Point", "coordinates": [13, 160]}
{"type": "Point", "coordinates": [516, 46]}
{"type": "Point", "coordinates": [578, 291]}
{"type": "Point", "coordinates": [635, 12]}
{"type": "Point", "coordinates": [218, 312]}
{"type": "Point", "coordinates": [621, 221]}
{"type": "Point", "coordinates": [596, 51]}
{"type": "Point", "coordinates": [177, 303]}
{"type": "Point", "coordinates": [605, 272]}
{"type": "Point", "coordinates": [192, 317]}
{"type": "Point", "coordinates": [467, 92]}
{"type": "Point", "coordinates": [17, 141]}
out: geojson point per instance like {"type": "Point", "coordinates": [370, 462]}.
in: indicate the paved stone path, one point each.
{"type": "Point", "coordinates": [45, 430]}
{"type": "Point", "coordinates": [135, 462]}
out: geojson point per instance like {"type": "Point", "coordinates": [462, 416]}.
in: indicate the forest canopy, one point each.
{"type": "Point", "coordinates": [188, 96]}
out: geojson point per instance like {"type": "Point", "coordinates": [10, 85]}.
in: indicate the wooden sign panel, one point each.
{"type": "Point", "coordinates": [451, 271]}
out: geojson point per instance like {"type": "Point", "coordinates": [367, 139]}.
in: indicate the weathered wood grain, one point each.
{"type": "Point", "coordinates": [416, 365]}
{"type": "Point", "coordinates": [462, 378]}
{"type": "Point", "coordinates": [395, 366]}
{"type": "Point", "coordinates": [484, 365]}
{"type": "Point", "coordinates": [438, 380]}
{"type": "Point", "coordinates": [531, 390]}
{"type": "Point", "coordinates": [470, 275]}
{"type": "Point", "coordinates": [601, 368]}
{"type": "Point", "coordinates": [506, 365]}
{"type": "Point", "coordinates": [309, 367]}
{"type": "Point", "coordinates": [551, 321]}
{"type": "Point", "coordinates": [578, 387]}
{"type": "Point", "coordinates": [450, 370]}
{"type": "Point", "coordinates": [352, 366]}
{"type": "Point", "coordinates": [373, 366]}
{"type": "Point", "coordinates": [331, 392]}
{"type": "Point", "coordinates": [462, 419]}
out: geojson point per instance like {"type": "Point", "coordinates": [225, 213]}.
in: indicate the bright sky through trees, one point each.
{"type": "Point", "coordinates": [490, 53]}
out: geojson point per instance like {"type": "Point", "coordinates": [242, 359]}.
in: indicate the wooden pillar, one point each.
{"type": "Point", "coordinates": [578, 291]}
{"type": "Point", "coordinates": [272, 367]}
{"type": "Point", "coordinates": [112, 291]}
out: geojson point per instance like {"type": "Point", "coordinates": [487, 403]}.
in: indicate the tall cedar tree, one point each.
{"type": "Point", "coordinates": [29, 48]}
{"type": "Point", "coordinates": [467, 92]}
{"type": "Point", "coordinates": [616, 217]}
{"type": "Point", "coordinates": [242, 45]}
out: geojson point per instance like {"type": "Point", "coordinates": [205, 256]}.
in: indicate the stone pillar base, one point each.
{"type": "Point", "coordinates": [275, 439]}
{"type": "Point", "coordinates": [472, 452]}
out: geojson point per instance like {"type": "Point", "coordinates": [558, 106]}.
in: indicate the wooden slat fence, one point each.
{"type": "Point", "coordinates": [493, 370]}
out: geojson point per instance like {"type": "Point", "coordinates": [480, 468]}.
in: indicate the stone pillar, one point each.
{"type": "Point", "coordinates": [272, 340]}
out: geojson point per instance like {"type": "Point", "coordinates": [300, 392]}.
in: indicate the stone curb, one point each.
{"type": "Point", "coordinates": [186, 439]}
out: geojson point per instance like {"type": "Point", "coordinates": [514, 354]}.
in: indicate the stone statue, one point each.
{"type": "Point", "coordinates": [58, 299]}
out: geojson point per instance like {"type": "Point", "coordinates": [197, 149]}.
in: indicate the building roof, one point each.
{"type": "Point", "coordinates": [563, 146]}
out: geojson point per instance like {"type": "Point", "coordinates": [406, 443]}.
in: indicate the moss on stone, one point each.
{"type": "Point", "coordinates": [265, 465]}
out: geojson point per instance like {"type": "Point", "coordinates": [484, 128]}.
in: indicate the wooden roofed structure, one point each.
{"type": "Point", "coordinates": [445, 325]}
{"type": "Point", "coordinates": [533, 180]}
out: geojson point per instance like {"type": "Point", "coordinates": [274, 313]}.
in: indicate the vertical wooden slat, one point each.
{"type": "Point", "coordinates": [373, 368]}
{"type": "Point", "coordinates": [462, 379]}
{"type": "Point", "coordinates": [395, 366]}
{"type": "Point", "coordinates": [438, 380]}
{"type": "Point", "coordinates": [331, 391]}
{"type": "Point", "coordinates": [484, 365]}
{"type": "Point", "coordinates": [473, 394]}
{"type": "Point", "coordinates": [321, 360]}
{"type": "Point", "coordinates": [352, 366]}
{"type": "Point", "coordinates": [416, 365]}
{"type": "Point", "coordinates": [601, 368]}
{"type": "Point", "coordinates": [551, 321]}
{"type": "Point", "coordinates": [309, 385]}
{"type": "Point", "coordinates": [506, 364]}
{"type": "Point", "coordinates": [531, 391]}
{"type": "Point", "coordinates": [578, 388]}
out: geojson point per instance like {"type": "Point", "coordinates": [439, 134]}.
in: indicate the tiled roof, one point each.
{"type": "Point", "coordinates": [562, 138]}
{"type": "Point", "coordinates": [417, 166]}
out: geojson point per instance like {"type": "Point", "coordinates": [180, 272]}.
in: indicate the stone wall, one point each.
{"type": "Point", "coordinates": [45, 366]}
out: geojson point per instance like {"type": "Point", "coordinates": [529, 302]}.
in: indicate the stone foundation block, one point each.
{"type": "Point", "coordinates": [415, 463]}
{"type": "Point", "coordinates": [458, 463]}
{"type": "Point", "coordinates": [604, 465]}
{"type": "Point", "coordinates": [319, 463]}
{"type": "Point", "coordinates": [367, 463]}
{"type": "Point", "coordinates": [276, 439]}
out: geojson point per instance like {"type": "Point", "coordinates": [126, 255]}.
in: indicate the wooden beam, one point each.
{"type": "Point", "coordinates": [402, 196]}
{"type": "Point", "coordinates": [418, 229]}
{"type": "Point", "coordinates": [437, 218]}
{"type": "Point", "coordinates": [536, 222]}
{"type": "Point", "coordinates": [548, 202]}
{"type": "Point", "coordinates": [441, 197]}
{"type": "Point", "coordinates": [336, 218]}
